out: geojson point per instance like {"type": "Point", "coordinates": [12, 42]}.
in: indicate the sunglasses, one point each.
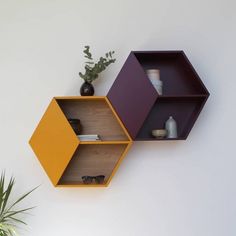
{"type": "Point", "coordinates": [89, 179]}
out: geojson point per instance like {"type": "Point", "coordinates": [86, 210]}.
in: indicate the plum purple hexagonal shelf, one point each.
{"type": "Point", "coordinates": [142, 109]}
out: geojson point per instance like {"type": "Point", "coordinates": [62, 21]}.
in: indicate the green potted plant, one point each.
{"type": "Point", "coordinates": [93, 69]}
{"type": "Point", "coordinates": [9, 212]}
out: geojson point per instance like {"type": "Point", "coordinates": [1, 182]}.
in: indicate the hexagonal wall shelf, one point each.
{"type": "Point", "coordinates": [142, 109]}
{"type": "Point", "coordinates": [131, 110]}
{"type": "Point", "coordinates": [64, 157]}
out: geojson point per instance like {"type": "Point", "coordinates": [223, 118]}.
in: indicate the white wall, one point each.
{"type": "Point", "coordinates": [164, 189]}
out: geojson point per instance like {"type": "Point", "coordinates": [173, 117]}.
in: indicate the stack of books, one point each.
{"type": "Point", "coordinates": [89, 137]}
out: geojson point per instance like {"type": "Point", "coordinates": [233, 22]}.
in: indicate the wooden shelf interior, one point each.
{"type": "Point", "coordinates": [92, 160]}
{"type": "Point", "coordinates": [177, 73]}
{"type": "Point", "coordinates": [96, 117]}
{"type": "Point", "coordinates": [184, 110]}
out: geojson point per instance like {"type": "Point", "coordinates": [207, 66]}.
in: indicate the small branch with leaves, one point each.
{"type": "Point", "coordinates": [92, 69]}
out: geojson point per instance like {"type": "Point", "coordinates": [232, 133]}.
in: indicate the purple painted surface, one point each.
{"type": "Point", "coordinates": [132, 95]}
{"type": "Point", "coordinates": [139, 106]}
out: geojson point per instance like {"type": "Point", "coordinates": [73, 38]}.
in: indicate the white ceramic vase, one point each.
{"type": "Point", "coordinates": [154, 76]}
{"type": "Point", "coordinates": [171, 127]}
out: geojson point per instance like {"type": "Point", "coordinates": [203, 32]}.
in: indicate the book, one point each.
{"type": "Point", "coordinates": [89, 137]}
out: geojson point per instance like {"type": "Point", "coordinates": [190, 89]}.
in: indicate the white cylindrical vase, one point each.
{"type": "Point", "coordinates": [154, 76]}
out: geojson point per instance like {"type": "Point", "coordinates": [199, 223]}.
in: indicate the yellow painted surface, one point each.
{"type": "Point", "coordinates": [81, 97]}
{"type": "Point", "coordinates": [54, 142]}
{"type": "Point", "coordinates": [82, 185]}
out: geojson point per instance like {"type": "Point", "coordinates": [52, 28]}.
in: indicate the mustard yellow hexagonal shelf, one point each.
{"type": "Point", "coordinates": [64, 157]}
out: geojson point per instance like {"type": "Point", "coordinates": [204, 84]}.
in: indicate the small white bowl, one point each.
{"type": "Point", "coordinates": [159, 133]}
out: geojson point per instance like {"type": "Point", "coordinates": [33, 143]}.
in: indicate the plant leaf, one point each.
{"type": "Point", "coordinates": [17, 220]}
{"type": "Point", "coordinates": [87, 53]}
{"type": "Point", "coordinates": [7, 194]}
{"type": "Point", "coordinates": [12, 213]}
{"type": "Point", "coordinates": [2, 181]}
{"type": "Point", "coordinates": [22, 197]}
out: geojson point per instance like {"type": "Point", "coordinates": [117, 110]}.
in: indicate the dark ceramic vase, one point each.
{"type": "Point", "coordinates": [76, 126]}
{"type": "Point", "coordinates": [86, 89]}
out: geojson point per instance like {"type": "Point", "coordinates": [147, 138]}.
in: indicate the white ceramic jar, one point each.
{"type": "Point", "coordinates": [171, 127]}
{"type": "Point", "coordinates": [154, 76]}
